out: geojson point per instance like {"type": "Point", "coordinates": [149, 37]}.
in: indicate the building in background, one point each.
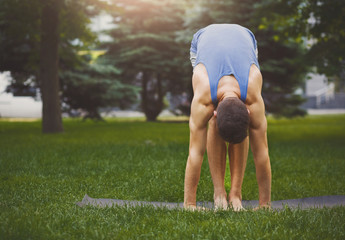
{"type": "Point", "coordinates": [17, 106]}
{"type": "Point", "coordinates": [320, 93]}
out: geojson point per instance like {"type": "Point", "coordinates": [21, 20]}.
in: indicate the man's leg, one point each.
{"type": "Point", "coordinates": [216, 152]}
{"type": "Point", "coordinates": [238, 154]}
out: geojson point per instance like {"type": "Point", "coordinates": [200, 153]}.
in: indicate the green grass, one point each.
{"type": "Point", "coordinates": [42, 176]}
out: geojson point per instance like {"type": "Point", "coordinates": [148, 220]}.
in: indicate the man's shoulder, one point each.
{"type": "Point", "coordinates": [200, 79]}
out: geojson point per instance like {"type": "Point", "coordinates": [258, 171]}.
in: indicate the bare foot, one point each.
{"type": "Point", "coordinates": [263, 207]}
{"type": "Point", "coordinates": [220, 203]}
{"type": "Point", "coordinates": [236, 204]}
{"type": "Point", "coordinates": [194, 208]}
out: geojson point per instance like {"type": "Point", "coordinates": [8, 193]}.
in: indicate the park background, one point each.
{"type": "Point", "coordinates": [58, 55]}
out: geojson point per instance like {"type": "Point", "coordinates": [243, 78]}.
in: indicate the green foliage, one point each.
{"type": "Point", "coordinates": [329, 31]}
{"type": "Point", "coordinates": [147, 50]}
{"type": "Point", "coordinates": [19, 37]}
{"type": "Point", "coordinates": [40, 184]}
{"type": "Point", "coordinates": [20, 33]}
{"type": "Point", "coordinates": [320, 22]}
{"type": "Point", "coordinates": [93, 86]}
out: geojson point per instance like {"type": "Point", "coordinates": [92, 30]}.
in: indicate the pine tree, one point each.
{"type": "Point", "coordinates": [146, 49]}
{"type": "Point", "coordinates": [95, 85]}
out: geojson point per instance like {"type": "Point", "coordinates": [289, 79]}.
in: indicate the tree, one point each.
{"type": "Point", "coordinates": [321, 24]}
{"type": "Point", "coordinates": [320, 21]}
{"type": "Point", "coordinates": [20, 38]}
{"type": "Point", "coordinates": [281, 60]}
{"type": "Point", "coordinates": [328, 53]}
{"type": "Point", "coordinates": [95, 85]}
{"type": "Point", "coordinates": [145, 48]}
{"type": "Point", "coordinates": [49, 67]}
{"type": "Point", "coordinates": [59, 28]}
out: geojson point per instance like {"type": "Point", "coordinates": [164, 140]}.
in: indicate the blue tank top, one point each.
{"type": "Point", "coordinates": [225, 49]}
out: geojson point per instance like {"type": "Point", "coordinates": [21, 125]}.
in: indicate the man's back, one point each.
{"type": "Point", "coordinates": [225, 49]}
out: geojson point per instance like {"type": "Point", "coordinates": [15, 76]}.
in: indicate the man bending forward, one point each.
{"type": "Point", "coordinates": [227, 97]}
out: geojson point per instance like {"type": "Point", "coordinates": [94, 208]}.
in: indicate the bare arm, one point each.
{"type": "Point", "coordinates": [200, 114]}
{"type": "Point", "coordinates": [259, 146]}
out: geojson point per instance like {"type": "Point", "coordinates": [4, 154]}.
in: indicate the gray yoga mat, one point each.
{"type": "Point", "coordinates": [302, 203]}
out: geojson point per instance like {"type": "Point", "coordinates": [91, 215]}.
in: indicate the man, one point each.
{"type": "Point", "coordinates": [227, 97]}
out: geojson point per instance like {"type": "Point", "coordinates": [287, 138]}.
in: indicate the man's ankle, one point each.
{"type": "Point", "coordinates": [235, 195]}
{"type": "Point", "coordinates": [219, 195]}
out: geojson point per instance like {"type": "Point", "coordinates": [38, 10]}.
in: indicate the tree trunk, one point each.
{"type": "Point", "coordinates": [144, 100]}
{"type": "Point", "coordinates": [49, 65]}
{"type": "Point", "coordinates": [151, 96]}
{"type": "Point", "coordinates": [160, 94]}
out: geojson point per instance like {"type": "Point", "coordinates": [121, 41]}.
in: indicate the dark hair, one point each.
{"type": "Point", "coordinates": [232, 120]}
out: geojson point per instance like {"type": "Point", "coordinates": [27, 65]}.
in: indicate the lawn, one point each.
{"type": "Point", "coordinates": [42, 176]}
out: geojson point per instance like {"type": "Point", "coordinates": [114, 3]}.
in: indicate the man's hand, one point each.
{"type": "Point", "coordinates": [259, 146]}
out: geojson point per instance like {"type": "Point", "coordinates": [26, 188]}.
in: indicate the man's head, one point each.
{"type": "Point", "coordinates": [232, 120]}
